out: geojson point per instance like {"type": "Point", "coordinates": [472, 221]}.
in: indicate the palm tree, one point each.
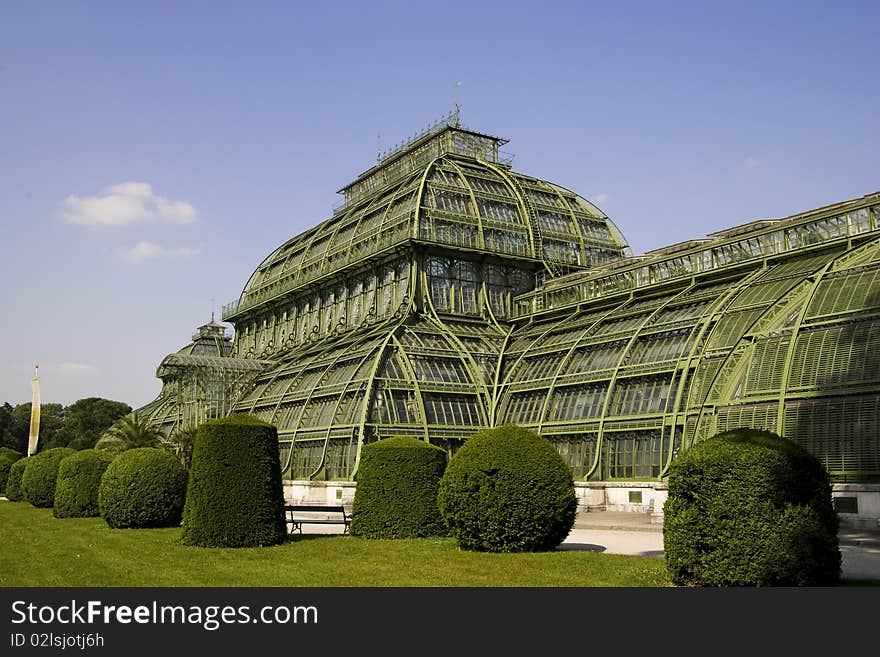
{"type": "Point", "coordinates": [181, 443]}
{"type": "Point", "coordinates": [128, 433]}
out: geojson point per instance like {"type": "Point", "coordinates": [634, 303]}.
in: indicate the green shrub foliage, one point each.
{"type": "Point", "coordinates": [507, 489]}
{"type": "Point", "coordinates": [11, 454]}
{"type": "Point", "coordinates": [41, 475]}
{"type": "Point", "coordinates": [235, 497]}
{"type": "Point", "coordinates": [79, 476]}
{"type": "Point", "coordinates": [396, 495]}
{"type": "Point", "coordinates": [750, 508]}
{"type": "Point", "coordinates": [7, 458]}
{"type": "Point", "coordinates": [13, 481]}
{"type": "Point", "coordinates": [142, 487]}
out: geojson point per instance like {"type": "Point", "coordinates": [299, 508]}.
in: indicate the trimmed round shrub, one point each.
{"type": "Point", "coordinates": [142, 487]}
{"type": "Point", "coordinates": [41, 475]}
{"type": "Point", "coordinates": [396, 495]}
{"type": "Point", "coordinates": [79, 476]}
{"type": "Point", "coordinates": [7, 458]}
{"type": "Point", "coordinates": [507, 489]}
{"type": "Point", "coordinates": [750, 508]}
{"type": "Point", "coordinates": [112, 445]}
{"type": "Point", "coordinates": [235, 497]}
{"type": "Point", "coordinates": [13, 481]}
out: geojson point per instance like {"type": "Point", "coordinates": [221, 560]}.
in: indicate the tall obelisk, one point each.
{"type": "Point", "coordinates": [34, 434]}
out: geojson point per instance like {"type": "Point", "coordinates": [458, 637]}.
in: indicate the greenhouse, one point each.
{"type": "Point", "coordinates": [448, 293]}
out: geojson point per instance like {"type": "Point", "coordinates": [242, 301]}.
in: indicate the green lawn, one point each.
{"type": "Point", "coordinates": [39, 550]}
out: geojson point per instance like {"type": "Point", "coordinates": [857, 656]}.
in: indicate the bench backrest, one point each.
{"type": "Point", "coordinates": [314, 507]}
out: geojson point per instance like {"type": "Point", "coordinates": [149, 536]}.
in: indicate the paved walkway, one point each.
{"type": "Point", "coordinates": [634, 533]}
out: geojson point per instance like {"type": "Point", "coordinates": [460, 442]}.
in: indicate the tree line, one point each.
{"type": "Point", "coordinates": [78, 425]}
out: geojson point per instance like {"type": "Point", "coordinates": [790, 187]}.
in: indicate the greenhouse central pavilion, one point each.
{"type": "Point", "coordinates": [449, 293]}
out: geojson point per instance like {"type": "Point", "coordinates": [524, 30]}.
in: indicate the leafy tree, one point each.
{"type": "Point", "coordinates": [6, 439]}
{"type": "Point", "coordinates": [86, 419]}
{"type": "Point", "coordinates": [133, 432]}
{"type": "Point", "coordinates": [16, 436]}
{"type": "Point", "coordinates": [52, 418]}
{"type": "Point", "coordinates": [19, 426]}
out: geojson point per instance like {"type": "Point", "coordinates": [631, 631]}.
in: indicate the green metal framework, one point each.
{"type": "Point", "coordinates": [770, 325]}
{"type": "Point", "coordinates": [449, 293]}
{"type": "Point", "coordinates": [200, 381]}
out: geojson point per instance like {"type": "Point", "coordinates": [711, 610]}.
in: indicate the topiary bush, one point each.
{"type": "Point", "coordinates": [7, 458]}
{"type": "Point", "coordinates": [235, 496]}
{"type": "Point", "coordinates": [396, 495]}
{"type": "Point", "coordinates": [41, 475]}
{"type": "Point", "coordinates": [507, 489]}
{"type": "Point", "coordinates": [11, 453]}
{"type": "Point", "coordinates": [750, 508]}
{"type": "Point", "coordinates": [142, 487]}
{"type": "Point", "coordinates": [13, 481]}
{"type": "Point", "coordinates": [79, 476]}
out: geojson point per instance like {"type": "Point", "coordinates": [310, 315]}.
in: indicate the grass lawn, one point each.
{"type": "Point", "coordinates": [37, 549]}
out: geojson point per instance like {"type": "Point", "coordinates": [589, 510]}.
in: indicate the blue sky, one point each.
{"type": "Point", "coordinates": [153, 153]}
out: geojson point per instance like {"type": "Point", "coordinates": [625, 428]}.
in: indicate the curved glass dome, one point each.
{"type": "Point", "coordinates": [199, 380]}
{"type": "Point", "coordinates": [448, 188]}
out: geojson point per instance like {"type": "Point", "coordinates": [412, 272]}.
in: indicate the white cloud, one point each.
{"type": "Point", "coordinates": [124, 204]}
{"type": "Point", "coordinates": [144, 250]}
{"type": "Point", "coordinates": [70, 369]}
{"type": "Point", "coordinates": [600, 198]}
{"type": "Point", "coordinates": [751, 162]}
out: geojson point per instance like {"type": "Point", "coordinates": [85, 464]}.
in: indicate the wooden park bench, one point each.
{"type": "Point", "coordinates": [332, 515]}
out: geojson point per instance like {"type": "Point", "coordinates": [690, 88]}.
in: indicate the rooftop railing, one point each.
{"type": "Point", "coordinates": [769, 238]}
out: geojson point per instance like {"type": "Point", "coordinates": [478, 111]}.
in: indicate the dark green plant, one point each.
{"type": "Point", "coordinates": [84, 421]}
{"type": "Point", "coordinates": [396, 495]}
{"type": "Point", "coordinates": [750, 508]}
{"type": "Point", "coordinates": [235, 496]}
{"type": "Point", "coordinates": [10, 453]}
{"type": "Point", "coordinates": [7, 458]}
{"type": "Point", "coordinates": [13, 481]}
{"type": "Point", "coordinates": [181, 443]}
{"type": "Point", "coordinates": [130, 432]}
{"type": "Point", "coordinates": [41, 475]}
{"type": "Point", "coordinates": [507, 489]}
{"type": "Point", "coordinates": [19, 426]}
{"type": "Point", "coordinates": [79, 476]}
{"type": "Point", "coordinates": [142, 487]}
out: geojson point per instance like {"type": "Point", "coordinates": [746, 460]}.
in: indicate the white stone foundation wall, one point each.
{"type": "Point", "coordinates": [320, 492]}
{"type": "Point", "coordinates": [633, 497]}
{"type": "Point", "coordinates": [626, 496]}
{"type": "Point", "coordinates": [867, 500]}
